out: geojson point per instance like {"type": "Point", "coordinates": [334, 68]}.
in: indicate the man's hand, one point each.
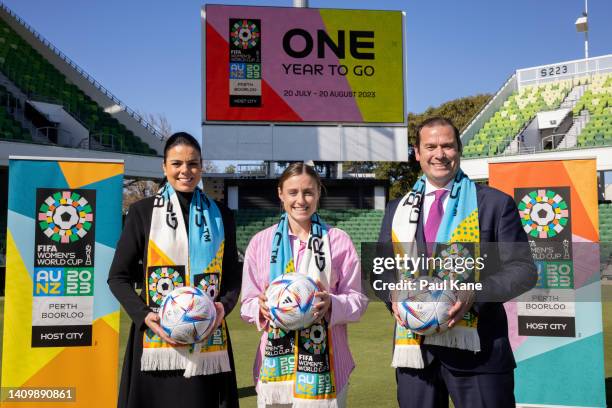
{"type": "Point", "coordinates": [152, 322]}
{"type": "Point", "coordinates": [322, 307]}
{"type": "Point", "coordinates": [397, 315]}
{"type": "Point", "coordinates": [465, 300]}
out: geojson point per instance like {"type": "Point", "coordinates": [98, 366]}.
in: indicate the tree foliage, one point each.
{"type": "Point", "coordinates": [402, 175]}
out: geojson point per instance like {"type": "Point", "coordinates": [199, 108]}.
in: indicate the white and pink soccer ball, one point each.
{"type": "Point", "coordinates": [291, 299]}
{"type": "Point", "coordinates": [425, 311]}
{"type": "Point", "coordinates": [187, 315]}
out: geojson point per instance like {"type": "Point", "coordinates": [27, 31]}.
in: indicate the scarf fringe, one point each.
{"type": "Point", "coordinates": [208, 363]}
{"type": "Point", "coordinates": [157, 359]}
{"type": "Point", "coordinates": [314, 403]}
{"type": "Point", "coordinates": [278, 392]}
{"type": "Point", "coordinates": [282, 393]}
{"type": "Point", "coordinates": [459, 337]}
{"type": "Point", "coordinates": [407, 356]}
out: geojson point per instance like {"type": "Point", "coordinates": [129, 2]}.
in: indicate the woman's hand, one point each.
{"type": "Point", "coordinates": [322, 307]}
{"type": "Point", "coordinates": [220, 314]}
{"type": "Point", "coordinates": [264, 311]}
{"type": "Point", "coordinates": [152, 322]}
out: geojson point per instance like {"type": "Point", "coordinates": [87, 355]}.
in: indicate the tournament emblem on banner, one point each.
{"type": "Point", "coordinates": [546, 218]}
{"type": "Point", "coordinates": [555, 329]}
{"type": "Point", "coordinates": [63, 222]}
{"type": "Point", "coordinates": [64, 238]}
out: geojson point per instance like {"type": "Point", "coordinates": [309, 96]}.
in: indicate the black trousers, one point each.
{"type": "Point", "coordinates": [430, 388]}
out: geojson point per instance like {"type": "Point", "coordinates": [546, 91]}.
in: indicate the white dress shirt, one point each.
{"type": "Point", "coordinates": [430, 197]}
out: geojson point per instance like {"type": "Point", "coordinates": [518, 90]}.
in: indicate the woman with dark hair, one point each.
{"type": "Point", "coordinates": [308, 367]}
{"type": "Point", "coordinates": [177, 238]}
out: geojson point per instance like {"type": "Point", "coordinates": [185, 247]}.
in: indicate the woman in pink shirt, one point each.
{"type": "Point", "coordinates": [308, 367]}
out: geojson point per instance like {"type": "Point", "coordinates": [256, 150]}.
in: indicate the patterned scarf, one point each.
{"type": "Point", "coordinates": [457, 236]}
{"type": "Point", "coordinates": [175, 259]}
{"type": "Point", "coordinates": [298, 366]}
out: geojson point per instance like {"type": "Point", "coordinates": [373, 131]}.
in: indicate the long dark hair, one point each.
{"type": "Point", "coordinates": [177, 139]}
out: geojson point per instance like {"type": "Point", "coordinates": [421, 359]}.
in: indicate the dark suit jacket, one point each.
{"type": "Point", "coordinates": [509, 271]}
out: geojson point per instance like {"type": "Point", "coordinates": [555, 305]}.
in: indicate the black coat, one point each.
{"type": "Point", "coordinates": [167, 388]}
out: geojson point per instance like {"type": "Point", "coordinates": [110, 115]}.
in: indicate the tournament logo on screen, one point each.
{"type": "Point", "coordinates": [245, 33]}
{"type": "Point", "coordinates": [245, 62]}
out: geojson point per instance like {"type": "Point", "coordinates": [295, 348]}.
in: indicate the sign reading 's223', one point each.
{"type": "Point", "coordinates": [273, 64]}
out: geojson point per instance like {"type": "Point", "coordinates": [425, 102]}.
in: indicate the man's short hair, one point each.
{"type": "Point", "coordinates": [438, 121]}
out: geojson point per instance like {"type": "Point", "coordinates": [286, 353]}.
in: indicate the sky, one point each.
{"type": "Point", "coordinates": [148, 53]}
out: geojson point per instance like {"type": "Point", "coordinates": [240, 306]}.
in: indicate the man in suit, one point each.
{"type": "Point", "coordinates": [473, 379]}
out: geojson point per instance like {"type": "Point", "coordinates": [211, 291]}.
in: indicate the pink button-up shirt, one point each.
{"type": "Point", "coordinates": [348, 303]}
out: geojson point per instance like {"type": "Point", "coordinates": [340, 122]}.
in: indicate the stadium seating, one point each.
{"type": "Point", "coordinates": [361, 225]}
{"type": "Point", "coordinates": [605, 231]}
{"type": "Point", "coordinates": [41, 81]}
{"type": "Point", "coordinates": [364, 225]}
{"type": "Point", "coordinates": [521, 107]}
{"type": "Point", "coordinates": [517, 111]}
{"type": "Point", "coordinates": [597, 100]}
{"type": "Point", "coordinates": [598, 132]}
{"type": "Point", "coordinates": [605, 222]}
{"type": "Point", "coordinates": [10, 129]}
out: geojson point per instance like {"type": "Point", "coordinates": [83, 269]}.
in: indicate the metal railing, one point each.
{"type": "Point", "coordinates": [105, 140]}
{"type": "Point", "coordinates": [557, 141]}
{"type": "Point", "coordinates": [85, 75]}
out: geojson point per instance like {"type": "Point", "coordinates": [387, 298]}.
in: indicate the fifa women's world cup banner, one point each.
{"type": "Point", "coordinates": [61, 323]}
{"type": "Point", "coordinates": [556, 329]}
{"type": "Point", "coordinates": [275, 64]}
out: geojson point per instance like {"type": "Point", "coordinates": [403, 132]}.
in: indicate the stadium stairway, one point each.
{"type": "Point", "coordinates": [39, 80]}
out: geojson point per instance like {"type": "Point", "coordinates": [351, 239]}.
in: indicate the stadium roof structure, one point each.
{"type": "Point", "coordinates": [51, 107]}
{"type": "Point", "coordinates": [555, 111]}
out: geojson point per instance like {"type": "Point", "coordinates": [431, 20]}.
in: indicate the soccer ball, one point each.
{"type": "Point", "coordinates": [65, 217]}
{"type": "Point", "coordinates": [187, 315]}
{"type": "Point", "coordinates": [290, 299]}
{"type": "Point", "coordinates": [425, 311]}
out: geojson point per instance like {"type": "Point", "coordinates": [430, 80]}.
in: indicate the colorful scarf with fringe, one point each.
{"type": "Point", "coordinates": [298, 366]}
{"type": "Point", "coordinates": [177, 257]}
{"type": "Point", "coordinates": [457, 236]}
